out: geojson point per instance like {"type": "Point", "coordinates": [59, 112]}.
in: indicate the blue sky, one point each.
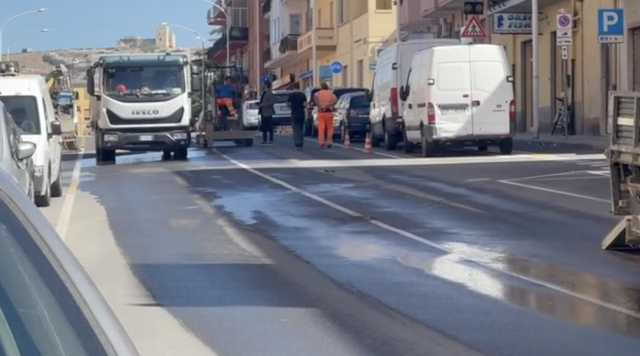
{"type": "Point", "coordinates": [98, 23]}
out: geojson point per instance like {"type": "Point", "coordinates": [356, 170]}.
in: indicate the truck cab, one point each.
{"type": "Point", "coordinates": [142, 103]}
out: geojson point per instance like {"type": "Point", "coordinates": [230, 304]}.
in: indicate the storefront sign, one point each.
{"type": "Point", "coordinates": [510, 23]}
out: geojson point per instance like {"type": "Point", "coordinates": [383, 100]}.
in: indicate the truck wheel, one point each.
{"type": "Point", "coordinates": [56, 187]}
{"type": "Point", "coordinates": [506, 146]}
{"type": "Point", "coordinates": [248, 142]}
{"type": "Point", "coordinates": [428, 146]}
{"type": "Point", "coordinates": [181, 154]}
{"type": "Point", "coordinates": [390, 141]}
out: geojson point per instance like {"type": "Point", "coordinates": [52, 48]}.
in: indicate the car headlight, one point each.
{"type": "Point", "coordinates": [179, 135]}
{"type": "Point", "coordinates": [110, 138]}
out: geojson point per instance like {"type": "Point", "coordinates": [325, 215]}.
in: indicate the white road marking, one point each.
{"type": "Point", "coordinates": [555, 191]}
{"type": "Point", "coordinates": [67, 208]}
{"type": "Point", "coordinates": [353, 147]}
{"type": "Point", "coordinates": [427, 242]}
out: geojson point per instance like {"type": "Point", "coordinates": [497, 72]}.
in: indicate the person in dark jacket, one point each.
{"type": "Point", "coordinates": [267, 100]}
{"type": "Point", "coordinates": [297, 101]}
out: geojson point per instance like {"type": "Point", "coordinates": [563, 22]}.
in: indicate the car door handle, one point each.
{"type": "Point", "coordinates": [410, 106]}
{"type": "Point", "coordinates": [465, 96]}
{"type": "Point", "coordinates": [475, 103]}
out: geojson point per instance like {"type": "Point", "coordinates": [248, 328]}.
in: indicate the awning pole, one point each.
{"type": "Point", "coordinates": [534, 68]}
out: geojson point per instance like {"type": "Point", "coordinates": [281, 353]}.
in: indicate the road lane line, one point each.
{"type": "Point", "coordinates": [381, 154]}
{"type": "Point", "coordinates": [555, 191]}
{"type": "Point", "coordinates": [427, 242]}
{"type": "Point", "coordinates": [67, 207]}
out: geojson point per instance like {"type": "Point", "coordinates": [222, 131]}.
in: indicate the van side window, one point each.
{"type": "Point", "coordinates": [12, 134]}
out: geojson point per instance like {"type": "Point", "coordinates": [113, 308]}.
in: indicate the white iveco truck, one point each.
{"type": "Point", "coordinates": [142, 103]}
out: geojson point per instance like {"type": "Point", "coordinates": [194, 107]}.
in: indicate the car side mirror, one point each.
{"type": "Point", "coordinates": [56, 128]}
{"type": "Point", "coordinates": [431, 82]}
{"type": "Point", "coordinates": [25, 150]}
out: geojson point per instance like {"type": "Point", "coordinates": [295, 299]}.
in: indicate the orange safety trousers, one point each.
{"type": "Point", "coordinates": [325, 128]}
{"type": "Point", "coordinates": [228, 103]}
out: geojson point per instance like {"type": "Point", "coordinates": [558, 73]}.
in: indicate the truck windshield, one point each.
{"type": "Point", "coordinates": [144, 81]}
{"type": "Point", "coordinates": [24, 110]}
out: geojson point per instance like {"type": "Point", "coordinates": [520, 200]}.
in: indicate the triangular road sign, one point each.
{"type": "Point", "coordinates": [473, 28]}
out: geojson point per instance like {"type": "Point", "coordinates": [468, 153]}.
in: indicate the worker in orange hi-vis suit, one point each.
{"type": "Point", "coordinates": [325, 101]}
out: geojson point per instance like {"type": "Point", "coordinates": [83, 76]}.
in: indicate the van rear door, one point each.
{"type": "Point", "coordinates": [491, 92]}
{"type": "Point", "coordinates": [451, 96]}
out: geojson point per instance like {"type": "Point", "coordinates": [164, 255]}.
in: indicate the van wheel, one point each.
{"type": "Point", "coordinates": [56, 188]}
{"type": "Point", "coordinates": [44, 200]}
{"type": "Point", "coordinates": [506, 146]}
{"type": "Point", "coordinates": [390, 142]}
{"type": "Point", "coordinates": [166, 155]}
{"type": "Point", "coordinates": [428, 146]}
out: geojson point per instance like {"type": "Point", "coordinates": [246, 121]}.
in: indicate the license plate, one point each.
{"type": "Point", "coordinates": [146, 138]}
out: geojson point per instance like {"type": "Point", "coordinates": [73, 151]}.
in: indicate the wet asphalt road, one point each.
{"type": "Point", "coordinates": [272, 251]}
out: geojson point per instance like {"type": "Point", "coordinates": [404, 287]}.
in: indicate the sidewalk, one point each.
{"type": "Point", "coordinates": [599, 143]}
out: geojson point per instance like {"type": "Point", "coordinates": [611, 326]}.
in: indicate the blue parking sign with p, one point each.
{"type": "Point", "coordinates": [611, 25]}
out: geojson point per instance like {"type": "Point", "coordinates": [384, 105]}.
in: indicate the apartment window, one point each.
{"type": "Point", "coordinates": [383, 4]}
{"type": "Point", "coordinates": [635, 58]}
{"type": "Point", "coordinates": [360, 74]}
{"type": "Point", "coordinates": [295, 24]}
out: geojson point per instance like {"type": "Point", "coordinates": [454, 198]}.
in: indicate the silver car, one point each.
{"type": "Point", "coordinates": [48, 305]}
{"type": "Point", "coordinates": [15, 154]}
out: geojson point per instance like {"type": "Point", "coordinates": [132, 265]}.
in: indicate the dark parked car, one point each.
{"type": "Point", "coordinates": [48, 305]}
{"type": "Point", "coordinates": [311, 123]}
{"type": "Point", "coordinates": [352, 113]}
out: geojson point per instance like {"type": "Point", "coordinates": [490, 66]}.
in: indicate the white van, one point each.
{"type": "Point", "coordinates": [391, 72]}
{"type": "Point", "coordinates": [27, 99]}
{"type": "Point", "coordinates": [459, 95]}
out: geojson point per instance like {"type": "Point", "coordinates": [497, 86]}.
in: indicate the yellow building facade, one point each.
{"type": "Point", "coordinates": [591, 71]}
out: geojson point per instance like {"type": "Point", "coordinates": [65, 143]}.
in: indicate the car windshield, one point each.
{"type": "Point", "coordinates": [252, 106]}
{"type": "Point", "coordinates": [24, 110]}
{"type": "Point", "coordinates": [360, 102]}
{"type": "Point", "coordinates": [144, 80]}
{"type": "Point", "coordinates": [38, 315]}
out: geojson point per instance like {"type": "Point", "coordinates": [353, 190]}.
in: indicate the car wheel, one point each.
{"type": "Point", "coordinates": [44, 200]}
{"type": "Point", "coordinates": [56, 187]}
{"type": "Point", "coordinates": [181, 154]}
{"type": "Point", "coordinates": [483, 147]}
{"type": "Point", "coordinates": [428, 146]}
{"type": "Point", "coordinates": [389, 141]}
{"type": "Point", "coordinates": [108, 157]}
{"type": "Point", "coordinates": [506, 146]}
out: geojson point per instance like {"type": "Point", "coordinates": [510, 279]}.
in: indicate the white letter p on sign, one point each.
{"type": "Point", "coordinates": [610, 19]}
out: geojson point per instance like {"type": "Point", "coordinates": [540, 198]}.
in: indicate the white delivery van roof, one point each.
{"type": "Point", "coordinates": [21, 84]}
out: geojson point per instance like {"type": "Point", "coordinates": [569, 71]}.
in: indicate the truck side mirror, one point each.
{"type": "Point", "coordinates": [404, 92]}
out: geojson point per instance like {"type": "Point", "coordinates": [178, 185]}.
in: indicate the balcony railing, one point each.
{"type": "Point", "coordinates": [325, 38]}
{"type": "Point", "coordinates": [239, 16]}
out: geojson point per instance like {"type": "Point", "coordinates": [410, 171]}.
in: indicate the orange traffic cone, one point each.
{"type": "Point", "coordinates": [368, 147]}
{"type": "Point", "coordinates": [347, 139]}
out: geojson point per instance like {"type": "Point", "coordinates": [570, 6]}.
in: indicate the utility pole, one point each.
{"type": "Point", "coordinates": [534, 68]}
{"type": "Point", "coordinates": [258, 47]}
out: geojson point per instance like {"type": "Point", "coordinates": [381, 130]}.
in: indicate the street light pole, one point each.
{"type": "Point", "coordinates": [535, 100]}
{"type": "Point", "coordinates": [12, 18]}
{"type": "Point", "coordinates": [228, 25]}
